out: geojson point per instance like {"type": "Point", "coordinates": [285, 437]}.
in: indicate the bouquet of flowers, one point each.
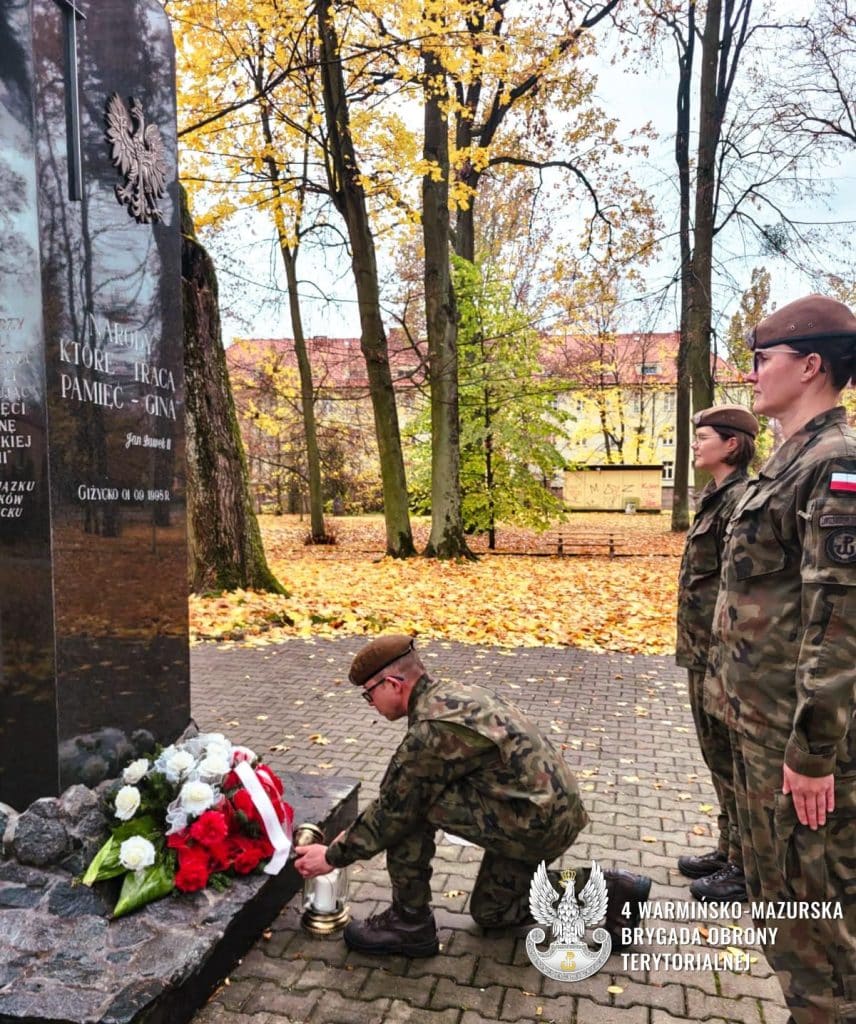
{"type": "Point", "coordinates": [203, 809]}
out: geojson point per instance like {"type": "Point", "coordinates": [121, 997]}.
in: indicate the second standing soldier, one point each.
{"type": "Point", "coordinates": [724, 445]}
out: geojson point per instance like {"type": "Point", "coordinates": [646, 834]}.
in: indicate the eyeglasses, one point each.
{"type": "Point", "coordinates": [367, 693]}
{"type": "Point", "coordinates": [760, 356]}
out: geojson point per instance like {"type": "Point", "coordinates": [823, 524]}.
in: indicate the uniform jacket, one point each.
{"type": "Point", "coordinates": [465, 737]}
{"type": "Point", "coordinates": [782, 662]}
{"type": "Point", "coordinates": [700, 567]}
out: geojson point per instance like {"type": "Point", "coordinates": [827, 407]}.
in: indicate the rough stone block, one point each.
{"type": "Point", "coordinates": [64, 962]}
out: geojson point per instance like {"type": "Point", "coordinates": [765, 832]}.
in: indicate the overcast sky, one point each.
{"type": "Point", "coordinates": [327, 295]}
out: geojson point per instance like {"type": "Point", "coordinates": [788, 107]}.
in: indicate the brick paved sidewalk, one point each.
{"type": "Point", "coordinates": [626, 729]}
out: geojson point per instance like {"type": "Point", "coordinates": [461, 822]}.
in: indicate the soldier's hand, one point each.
{"type": "Point", "coordinates": [312, 860]}
{"type": "Point", "coordinates": [813, 797]}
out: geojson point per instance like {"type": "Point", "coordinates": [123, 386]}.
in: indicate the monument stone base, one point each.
{"type": "Point", "coordinates": [62, 961]}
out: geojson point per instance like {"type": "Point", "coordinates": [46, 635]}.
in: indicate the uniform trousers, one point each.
{"type": "Point", "coordinates": [500, 896]}
{"type": "Point", "coordinates": [784, 861]}
{"type": "Point", "coordinates": [715, 742]}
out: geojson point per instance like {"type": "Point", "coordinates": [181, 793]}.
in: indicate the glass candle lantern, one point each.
{"type": "Point", "coordinates": [325, 910]}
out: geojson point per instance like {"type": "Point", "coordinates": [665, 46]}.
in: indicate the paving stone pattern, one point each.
{"type": "Point", "coordinates": [625, 727]}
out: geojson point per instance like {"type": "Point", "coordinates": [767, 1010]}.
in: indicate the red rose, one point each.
{"type": "Point", "coordinates": [247, 854]}
{"type": "Point", "coordinates": [230, 781]}
{"type": "Point", "coordinates": [193, 869]}
{"type": "Point", "coordinates": [243, 804]}
{"type": "Point", "coordinates": [178, 840]}
{"type": "Point", "coordinates": [209, 828]}
{"type": "Point", "coordinates": [240, 755]}
{"type": "Point", "coordinates": [228, 811]}
{"type": "Point", "coordinates": [220, 855]}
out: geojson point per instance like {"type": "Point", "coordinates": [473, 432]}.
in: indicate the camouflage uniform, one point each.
{"type": "Point", "coordinates": [475, 766]}
{"type": "Point", "coordinates": [781, 674]}
{"type": "Point", "coordinates": [697, 588]}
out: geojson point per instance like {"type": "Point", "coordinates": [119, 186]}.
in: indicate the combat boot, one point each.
{"type": "Point", "coordinates": [729, 883]}
{"type": "Point", "coordinates": [702, 865]}
{"type": "Point", "coordinates": [625, 891]}
{"type": "Point", "coordinates": [397, 931]}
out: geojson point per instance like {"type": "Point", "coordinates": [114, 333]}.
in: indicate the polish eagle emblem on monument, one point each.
{"type": "Point", "coordinates": [139, 154]}
{"type": "Point", "coordinates": [568, 958]}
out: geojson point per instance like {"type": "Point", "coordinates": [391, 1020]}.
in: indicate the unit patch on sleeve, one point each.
{"type": "Point", "coordinates": [828, 520]}
{"type": "Point", "coordinates": [841, 546]}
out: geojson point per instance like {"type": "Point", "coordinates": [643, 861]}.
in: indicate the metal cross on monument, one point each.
{"type": "Point", "coordinates": [71, 14]}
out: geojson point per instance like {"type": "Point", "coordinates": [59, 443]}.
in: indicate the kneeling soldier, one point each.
{"type": "Point", "coordinates": [476, 767]}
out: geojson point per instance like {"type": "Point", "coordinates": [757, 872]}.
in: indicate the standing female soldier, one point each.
{"type": "Point", "coordinates": [782, 663]}
{"type": "Point", "coordinates": [724, 445]}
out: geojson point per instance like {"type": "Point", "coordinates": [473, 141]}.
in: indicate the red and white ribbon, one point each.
{"type": "Point", "coordinates": [280, 842]}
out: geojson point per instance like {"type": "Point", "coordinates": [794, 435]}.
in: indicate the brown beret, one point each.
{"type": "Point", "coordinates": [813, 318]}
{"type": "Point", "coordinates": [728, 417]}
{"type": "Point", "coordinates": [377, 655]}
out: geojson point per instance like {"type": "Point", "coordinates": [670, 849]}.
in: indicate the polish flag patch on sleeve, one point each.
{"type": "Point", "coordinates": [843, 482]}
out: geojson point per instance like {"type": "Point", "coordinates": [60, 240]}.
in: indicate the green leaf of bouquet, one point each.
{"type": "Point", "coordinates": [105, 863]}
{"type": "Point", "coordinates": [142, 887]}
{"type": "Point", "coordinates": [145, 826]}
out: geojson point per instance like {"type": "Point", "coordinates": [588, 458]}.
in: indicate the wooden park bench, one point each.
{"type": "Point", "coordinates": [570, 544]}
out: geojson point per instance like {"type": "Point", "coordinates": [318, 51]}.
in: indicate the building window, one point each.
{"type": "Point", "coordinates": [668, 441]}
{"type": "Point", "coordinates": [669, 401]}
{"type": "Point", "coordinates": [650, 369]}
{"type": "Point", "coordinates": [668, 471]}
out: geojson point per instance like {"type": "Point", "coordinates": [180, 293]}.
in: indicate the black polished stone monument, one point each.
{"type": "Point", "coordinates": [93, 580]}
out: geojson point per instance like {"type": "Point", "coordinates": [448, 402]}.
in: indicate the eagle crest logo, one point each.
{"type": "Point", "coordinates": [568, 957]}
{"type": "Point", "coordinates": [138, 152]}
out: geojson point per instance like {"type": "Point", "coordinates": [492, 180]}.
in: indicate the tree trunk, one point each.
{"type": "Point", "coordinates": [680, 482]}
{"type": "Point", "coordinates": [224, 542]}
{"type": "Point", "coordinates": [317, 530]}
{"type": "Point", "coordinates": [699, 312]}
{"type": "Point", "coordinates": [349, 197]}
{"type": "Point", "coordinates": [489, 481]}
{"type": "Point", "coordinates": [447, 529]}
{"type": "Point", "coordinates": [465, 218]}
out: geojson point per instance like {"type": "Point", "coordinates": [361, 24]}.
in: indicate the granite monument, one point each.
{"type": "Point", "coordinates": [93, 579]}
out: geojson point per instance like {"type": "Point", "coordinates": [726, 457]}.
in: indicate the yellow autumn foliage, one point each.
{"type": "Point", "coordinates": [595, 602]}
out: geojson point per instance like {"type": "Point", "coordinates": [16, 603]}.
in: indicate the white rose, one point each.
{"type": "Point", "coordinates": [215, 764]}
{"type": "Point", "coordinates": [223, 749]}
{"type": "Point", "coordinates": [163, 757]}
{"type": "Point", "coordinates": [136, 853]}
{"type": "Point", "coordinates": [195, 746]}
{"type": "Point", "coordinates": [196, 797]}
{"type": "Point", "coordinates": [135, 771]}
{"type": "Point", "coordinates": [127, 802]}
{"type": "Point", "coordinates": [179, 765]}
{"type": "Point", "coordinates": [209, 738]}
